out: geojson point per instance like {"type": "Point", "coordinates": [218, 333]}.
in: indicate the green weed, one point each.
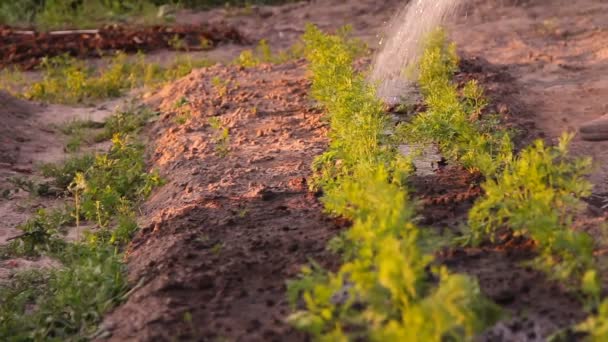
{"type": "Point", "coordinates": [40, 234]}
{"type": "Point", "coordinates": [33, 187]}
{"type": "Point", "coordinates": [596, 326]}
{"type": "Point", "coordinates": [115, 179]}
{"type": "Point", "coordinates": [221, 137]}
{"type": "Point", "coordinates": [221, 86]}
{"type": "Point", "coordinates": [63, 174]}
{"type": "Point", "coordinates": [68, 80]}
{"type": "Point", "coordinates": [264, 54]}
{"type": "Point", "coordinates": [128, 121]}
{"type": "Point", "coordinates": [67, 303]}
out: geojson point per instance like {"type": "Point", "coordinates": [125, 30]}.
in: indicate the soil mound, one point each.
{"type": "Point", "coordinates": [235, 219]}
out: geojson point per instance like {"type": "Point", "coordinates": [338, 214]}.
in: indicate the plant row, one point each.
{"type": "Point", "coordinates": [388, 287]}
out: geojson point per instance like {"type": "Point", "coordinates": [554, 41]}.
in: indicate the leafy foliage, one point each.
{"type": "Point", "coordinates": [387, 289]}
{"type": "Point", "coordinates": [537, 195]}
{"type": "Point", "coordinates": [357, 121]}
{"type": "Point", "coordinates": [68, 80]}
{"type": "Point", "coordinates": [68, 302]}
{"type": "Point", "coordinates": [40, 234]}
{"type": "Point", "coordinates": [222, 136]}
{"type": "Point", "coordinates": [452, 119]}
{"type": "Point", "coordinates": [51, 14]}
{"type": "Point", "coordinates": [596, 326]}
{"type": "Point", "coordinates": [263, 54]}
{"type": "Point", "coordinates": [115, 180]}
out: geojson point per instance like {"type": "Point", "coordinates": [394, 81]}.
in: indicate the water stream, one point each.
{"type": "Point", "coordinates": [402, 44]}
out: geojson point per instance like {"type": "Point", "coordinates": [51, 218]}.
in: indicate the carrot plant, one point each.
{"type": "Point", "coordinates": [536, 193]}
{"type": "Point", "coordinates": [451, 120]}
{"type": "Point", "coordinates": [387, 288]}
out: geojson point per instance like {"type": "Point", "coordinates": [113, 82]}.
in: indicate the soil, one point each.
{"type": "Point", "coordinates": [557, 53]}
{"type": "Point", "coordinates": [222, 237]}
{"type": "Point", "coordinates": [235, 219]}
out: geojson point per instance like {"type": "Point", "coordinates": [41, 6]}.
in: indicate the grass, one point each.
{"type": "Point", "coordinates": [221, 137]}
{"type": "Point", "coordinates": [68, 302]}
{"type": "Point", "coordinates": [60, 14]}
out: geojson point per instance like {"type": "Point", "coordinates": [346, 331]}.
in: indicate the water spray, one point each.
{"type": "Point", "coordinates": [402, 45]}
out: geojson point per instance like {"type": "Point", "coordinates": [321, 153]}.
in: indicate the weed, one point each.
{"type": "Point", "coordinates": [68, 302]}
{"type": "Point", "coordinates": [221, 86]}
{"type": "Point", "coordinates": [114, 179]}
{"type": "Point", "coordinates": [182, 112]}
{"type": "Point", "coordinates": [221, 136]}
{"type": "Point", "coordinates": [181, 102]}
{"type": "Point", "coordinates": [31, 186]}
{"type": "Point", "coordinates": [177, 43]}
{"type": "Point", "coordinates": [597, 325]}
{"type": "Point", "coordinates": [217, 248]}
{"type": "Point", "coordinates": [50, 14]}
{"type": "Point", "coordinates": [264, 54]}
{"type": "Point", "coordinates": [76, 125]}
{"type": "Point", "coordinates": [67, 80]}
{"type": "Point", "coordinates": [40, 234]}
{"type": "Point", "coordinates": [128, 121]}
{"type": "Point", "coordinates": [64, 173]}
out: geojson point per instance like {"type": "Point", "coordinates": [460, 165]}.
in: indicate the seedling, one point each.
{"type": "Point", "coordinates": [221, 86]}
{"type": "Point", "coordinates": [221, 136]}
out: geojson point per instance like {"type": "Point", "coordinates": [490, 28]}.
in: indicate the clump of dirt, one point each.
{"type": "Point", "coordinates": [28, 48]}
{"type": "Point", "coordinates": [228, 229]}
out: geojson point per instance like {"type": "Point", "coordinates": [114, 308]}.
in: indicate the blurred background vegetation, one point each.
{"type": "Point", "coordinates": [50, 14]}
